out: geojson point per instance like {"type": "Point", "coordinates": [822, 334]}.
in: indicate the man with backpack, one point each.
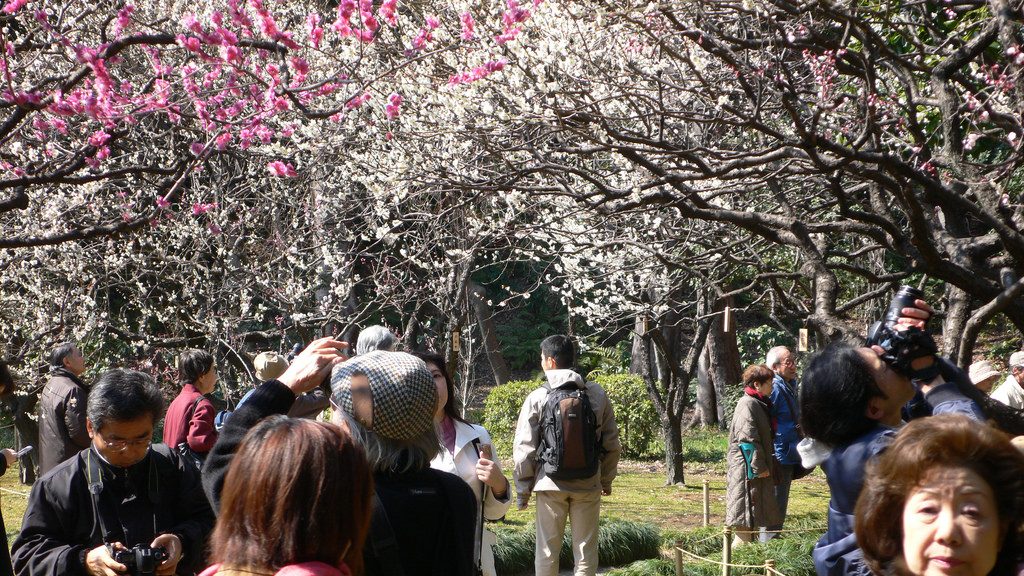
{"type": "Point", "coordinates": [566, 450]}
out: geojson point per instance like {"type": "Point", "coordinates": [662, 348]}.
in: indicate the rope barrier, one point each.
{"type": "Point", "coordinates": [726, 563]}
{"type": "Point", "coordinates": [717, 562]}
{"type": "Point", "coordinates": [9, 491]}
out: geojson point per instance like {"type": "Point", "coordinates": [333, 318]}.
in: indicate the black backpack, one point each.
{"type": "Point", "coordinates": [569, 446]}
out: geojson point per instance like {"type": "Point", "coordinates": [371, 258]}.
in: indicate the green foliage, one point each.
{"type": "Point", "coordinates": [653, 567]}
{"type": "Point", "coordinates": [755, 342]}
{"type": "Point", "coordinates": [704, 445]}
{"type": "Point", "coordinates": [595, 360]}
{"type": "Point", "coordinates": [501, 410]}
{"type": "Point", "coordinates": [791, 552]}
{"type": "Point", "coordinates": [639, 427]}
{"type": "Point", "coordinates": [618, 542]}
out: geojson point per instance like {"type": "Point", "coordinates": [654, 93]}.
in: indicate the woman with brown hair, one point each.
{"type": "Point", "coordinates": [750, 492]}
{"type": "Point", "coordinates": [946, 497]}
{"type": "Point", "coordinates": [296, 502]}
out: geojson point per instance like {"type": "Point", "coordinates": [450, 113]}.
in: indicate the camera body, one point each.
{"type": "Point", "coordinates": [902, 347]}
{"type": "Point", "coordinates": [140, 559]}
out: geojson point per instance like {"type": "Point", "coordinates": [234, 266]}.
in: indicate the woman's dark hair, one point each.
{"type": "Point", "coordinates": [192, 364]}
{"type": "Point", "coordinates": [927, 444]}
{"type": "Point", "coordinates": [122, 396]}
{"type": "Point", "coordinates": [451, 407]}
{"type": "Point", "coordinates": [757, 373]}
{"type": "Point", "coordinates": [296, 491]}
{"type": "Point", "coordinates": [834, 395]}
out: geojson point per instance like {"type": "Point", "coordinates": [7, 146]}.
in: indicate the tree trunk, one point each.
{"type": "Point", "coordinates": [485, 320]}
{"type": "Point", "coordinates": [24, 407]}
{"type": "Point", "coordinates": [723, 360]}
{"type": "Point", "coordinates": [637, 357]}
{"type": "Point", "coordinates": [672, 432]}
{"type": "Point", "coordinates": [958, 311]}
{"type": "Point", "coordinates": [706, 411]}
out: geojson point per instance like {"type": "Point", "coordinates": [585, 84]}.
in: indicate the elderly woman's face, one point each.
{"type": "Point", "coordinates": [951, 525]}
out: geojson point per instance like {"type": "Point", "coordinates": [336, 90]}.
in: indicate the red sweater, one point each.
{"type": "Point", "coordinates": [198, 430]}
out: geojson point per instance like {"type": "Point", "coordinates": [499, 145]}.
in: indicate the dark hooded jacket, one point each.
{"type": "Point", "coordinates": [62, 431]}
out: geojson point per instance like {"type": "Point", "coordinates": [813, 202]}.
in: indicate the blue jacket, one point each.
{"type": "Point", "coordinates": [837, 553]}
{"type": "Point", "coordinates": [786, 437]}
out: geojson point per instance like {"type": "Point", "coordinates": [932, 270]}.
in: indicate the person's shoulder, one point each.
{"type": "Point", "coordinates": [473, 430]}
{"type": "Point", "coordinates": [451, 484]}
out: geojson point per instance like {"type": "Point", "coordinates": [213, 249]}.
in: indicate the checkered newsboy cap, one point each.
{"type": "Point", "coordinates": [401, 388]}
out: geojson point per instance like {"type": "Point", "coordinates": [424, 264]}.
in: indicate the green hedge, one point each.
{"type": "Point", "coordinates": [639, 427]}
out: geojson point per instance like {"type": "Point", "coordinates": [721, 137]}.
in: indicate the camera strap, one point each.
{"type": "Point", "coordinates": [94, 478]}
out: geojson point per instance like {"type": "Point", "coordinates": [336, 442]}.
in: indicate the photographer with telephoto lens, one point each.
{"type": "Point", "coordinates": [122, 506]}
{"type": "Point", "coordinates": [853, 400]}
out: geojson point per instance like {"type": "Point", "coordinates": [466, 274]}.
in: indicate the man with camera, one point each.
{"type": "Point", "coordinates": [121, 506]}
{"type": "Point", "coordinates": [852, 402]}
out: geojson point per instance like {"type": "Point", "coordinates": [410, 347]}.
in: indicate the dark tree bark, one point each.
{"type": "Point", "coordinates": [485, 320]}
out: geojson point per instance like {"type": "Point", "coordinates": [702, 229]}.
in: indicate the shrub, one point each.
{"type": "Point", "coordinates": [619, 542]}
{"type": "Point", "coordinates": [639, 427]}
{"type": "Point", "coordinates": [501, 411]}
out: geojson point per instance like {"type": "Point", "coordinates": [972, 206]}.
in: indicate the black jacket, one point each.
{"type": "Point", "coordinates": [161, 491]}
{"type": "Point", "coordinates": [62, 431]}
{"type": "Point", "coordinates": [432, 513]}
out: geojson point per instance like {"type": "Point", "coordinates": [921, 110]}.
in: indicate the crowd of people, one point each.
{"type": "Point", "coordinates": [398, 482]}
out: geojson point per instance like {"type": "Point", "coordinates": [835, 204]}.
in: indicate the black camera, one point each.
{"type": "Point", "coordinates": [902, 347]}
{"type": "Point", "coordinates": [141, 559]}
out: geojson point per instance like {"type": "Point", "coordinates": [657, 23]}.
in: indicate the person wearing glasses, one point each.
{"type": "Point", "coordinates": [786, 413]}
{"type": "Point", "coordinates": [120, 493]}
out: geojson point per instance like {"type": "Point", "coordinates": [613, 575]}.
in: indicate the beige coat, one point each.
{"type": "Point", "coordinates": [530, 477]}
{"type": "Point", "coordinates": [750, 503]}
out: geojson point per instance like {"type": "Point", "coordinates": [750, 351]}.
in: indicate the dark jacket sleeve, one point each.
{"type": "Point", "coordinates": [310, 404]}
{"type": "Point", "coordinates": [202, 434]}
{"type": "Point", "coordinates": [44, 547]}
{"type": "Point", "coordinates": [194, 516]}
{"type": "Point", "coordinates": [74, 417]}
{"type": "Point", "coordinates": [270, 398]}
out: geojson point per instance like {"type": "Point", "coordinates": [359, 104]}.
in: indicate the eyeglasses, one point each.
{"type": "Point", "coordinates": [122, 445]}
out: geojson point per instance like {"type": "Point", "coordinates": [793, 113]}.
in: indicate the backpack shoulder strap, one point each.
{"type": "Point", "coordinates": [382, 541]}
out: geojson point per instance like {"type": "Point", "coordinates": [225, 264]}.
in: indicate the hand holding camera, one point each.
{"type": "Point", "coordinates": [314, 364]}
{"type": "Point", "coordinates": [900, 337]}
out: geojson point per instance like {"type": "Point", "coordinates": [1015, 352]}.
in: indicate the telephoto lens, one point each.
{"type": "Point", "coordinates": [904, 298]}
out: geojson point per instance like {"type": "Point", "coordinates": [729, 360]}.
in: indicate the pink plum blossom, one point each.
{"type": "Point", "coordinates": [162, 202]}
{"type": "Point", "coordinates": [972, 141]}
{"type": "Point", "coordinates": [281, 169]}
{"type": "Point", "coordinates": [200, 208]}
{"type": "Point", "coordinates": [357, 101]}
{"type": "Point", "coordinates": [478, 73]}
{"type": "Point", "coordinates": [223, 140]}
{"type": "Point", "coordinates": [467, 25]}
{"type": "Point", "coordinates": [13, 6]}
{"type": "Point", "coordinates": [393, 108]}
{"type": "Point", "coordinates": [98, 138]}
{"type": "Point", "coordinates": [197, 148]}
{"type": "Point", "coordinates": [387, 12]}
{"type": "Point", "coordinates": [316, 33]}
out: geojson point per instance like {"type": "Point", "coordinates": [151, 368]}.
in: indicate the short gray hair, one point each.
{"type": "Point", "coordinates": [388, 455]}
{"type": "Point", "coordinates": [375, 338]}
{"type": "Point", "coordinates": [772, 358]}
{"type": "Point", "coordinates": [60, 352]}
